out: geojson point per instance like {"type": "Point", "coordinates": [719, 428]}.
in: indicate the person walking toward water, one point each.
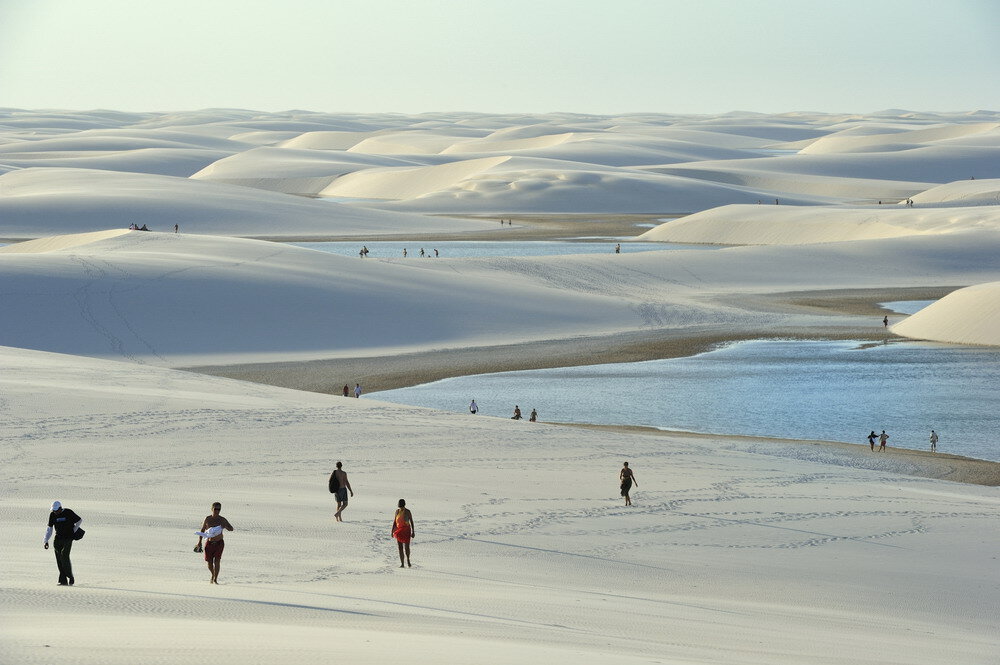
{"type": "Point", "coordinates": [473, 407]}
{"type": "Point", "coordinates": [65, 523]}
{"type": "Point", "coordinates": [885, 322]}
{"type": "Point", "coordinates": [357, 390]}
{"type": "Point", "coordinates": [517, 413]}
{"type": "Point", "coordinates": [211, 531]}
{"type": "Point", "coordinates": [934, 440]}
{"type": "Point", "coordinates": [871, 440]}
{"type": "Point", "coordinates": [883, 437]}
{"type": "Point", "coordinates": [534, 416]}
{"type": "Point", "coordinates": [347, 390]}
{"type": "Point", "coordinates": [339, 486]}
{"type": "Point", "coordinates": [403, 531]}
{"type": "Point", "coordinates": [627, 477]}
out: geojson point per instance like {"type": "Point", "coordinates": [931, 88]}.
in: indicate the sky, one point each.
{"type": "Point", "coordinates": [504, 56]}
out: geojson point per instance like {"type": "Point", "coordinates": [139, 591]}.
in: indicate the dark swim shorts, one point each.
{"type": "Point", "coordinates": [213, 549]}
{"type": "Point", "coordinates": [342, 495]}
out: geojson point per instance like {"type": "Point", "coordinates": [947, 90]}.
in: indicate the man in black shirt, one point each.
{"type": "Point", "coordinates": [65, 523]}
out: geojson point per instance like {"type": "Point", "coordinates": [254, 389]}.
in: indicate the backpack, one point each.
{"type": "Point", "coordinates": [334, 485]}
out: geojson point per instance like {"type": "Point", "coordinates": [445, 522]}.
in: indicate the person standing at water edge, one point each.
{"type": "Point", "coordinates": [65, 523]}
{"type": "Point", "coordinates": [347, 390]}
{"type": "Point", "coordinates": [211, 530]}
{"type": "Point", "coordinates": [618, 248]}
{"type": "Point", "coordinates": [627, 477]}
{"type": "Point", "coordinates": [357, 390]}
{"type": "Point", "coordinates": [882, 438]}
{"type": "Point", "coordinates": [473, 407]}
{"type": "Point", "coordinates": [534, 416]}
{"type": "Point", "coordinates": [403, 531]}
{"type": "Point", "coordinates": [517, 413]}
{"type": "Point", "coordinates": [871, 440]}
{"type": "Point", "coordinates": [934, 440]}
{"type": "Point", "coordinates": [885, 322]}
{"type": "Point", "coordinates": [339, 486]}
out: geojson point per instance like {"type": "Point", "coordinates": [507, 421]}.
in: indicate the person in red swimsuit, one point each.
{"type": "Point", "coordinates": [403, 531]}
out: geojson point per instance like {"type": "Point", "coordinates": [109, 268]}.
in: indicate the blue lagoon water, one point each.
{"type": "Point", "coordinates": [479, 249]}
{"type": "Point", "coordinates": [821, 390]}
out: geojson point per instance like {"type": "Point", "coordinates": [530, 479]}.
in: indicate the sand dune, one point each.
{"type": "Point", "coordinates": [794, 225]}
{"type": "Point", "coordinates": [36, 202]}
{"type": "Point", "coordinates": [967, 316]}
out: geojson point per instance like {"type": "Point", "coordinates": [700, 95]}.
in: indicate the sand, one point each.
{"type": "Point", "coordinates": [736, 550]}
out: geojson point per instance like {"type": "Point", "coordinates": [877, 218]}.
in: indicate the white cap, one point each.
{"type": "Point", "coordinates": [56, 506]}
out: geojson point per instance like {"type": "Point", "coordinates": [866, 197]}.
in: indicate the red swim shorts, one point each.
{"type": "Point", "coordinates": [213, 549]}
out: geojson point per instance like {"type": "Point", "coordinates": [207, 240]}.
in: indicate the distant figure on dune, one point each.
{"type": "Point", "coordinates": [143, 228]}
{"type": "Point", "coordinates": [517, 413]}
{"type": "Point", "coordinates": [175, 228]}
{"type": "Point", "coordinates": [473, 407]}
{"type": "Point", "coordinates": [627, 477]}
{"type": "Point", "coordinates": [211, 529]}
{"type": "Point", "coordinates": [533, 417]}
{"type": "Point", "coordinates": [871, 440]}
{"type": "Point", "coordinates": [934, 440]}
{"type": "Point", "coordinates": [347, 390]}
{"type": "Point", "coordinates": [339, 486]}
{"type": "Point", "coordinates": [883, 437]}
{"type": "Point", "coordinates": [357, 390]}
{"type": "Point", "coordinates": [403, 531]}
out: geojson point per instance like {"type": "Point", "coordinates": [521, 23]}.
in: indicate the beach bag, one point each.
{"type": "Point", "coordinates": [78, 534]}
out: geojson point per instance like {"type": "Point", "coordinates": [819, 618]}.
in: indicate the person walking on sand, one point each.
{"type": "Point", "coordinates": [339, 486]}
{"type": "Point", "coordinates": [473, 407]}
{"type": "Point", "coordinates": [403, 531]}
{"type": "Point", "coordinates": [885, 322]}
{"type": "Point", "coordinates": [533, 417]}
{"type": "Point", "coordinates": [65, 523]}
{"type": "Point", "coordinates": [357, 390]}
{"type": "Point", "coordinates": [871, 440]}
{"type": "Point", "coordinates": [517, 413]}
{"type": "Point", "coordinates": [882, 438]}
{"type": "Point", "coordinates": [347, 390]}
{"type": "Point", "coordinates": [211, 531]}
{"type": "Point", "coordinates": [618, 248]}
{"type": "Point", "coordinates": [627, 477]}
{"type": "Point", "coordinates": [934, 440]}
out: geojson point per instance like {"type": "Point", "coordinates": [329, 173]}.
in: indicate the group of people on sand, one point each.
{"type": "Point", "coordinates": [517, 414]}
{"type": "Point", "coordinates": [883, 438]}
{"type": "Point", "coordinates": [402, 522]}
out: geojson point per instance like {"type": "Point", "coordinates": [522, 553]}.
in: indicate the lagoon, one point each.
{"type": "Point", "coordinates": [820, 390]}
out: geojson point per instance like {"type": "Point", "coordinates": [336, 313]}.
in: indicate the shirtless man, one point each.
{"type": "Point", "coordinates": [627, 478]}
{"type": "Point", "coordinates": [214, 544]}
{"type": "Point", "coordinates": [339, 485]}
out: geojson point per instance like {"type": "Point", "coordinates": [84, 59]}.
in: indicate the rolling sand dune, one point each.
{"type": "Point", "coordinates": [738, 550]}
{"type": "Point", "coordinates": [966, 316]}
{"type": "Point", "coordinates": [793, 225]}
{"type": "Point", "coordinates": [36, 202]}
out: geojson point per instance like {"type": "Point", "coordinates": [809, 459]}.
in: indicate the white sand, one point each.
{"type": "Point", "coordinates": [736, 551]}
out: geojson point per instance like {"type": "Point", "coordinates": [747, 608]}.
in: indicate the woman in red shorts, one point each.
{"type": "Point", "coordinates": [403, 531]}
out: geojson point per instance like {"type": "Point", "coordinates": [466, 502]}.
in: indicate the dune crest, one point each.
{"type": "Point", "coordinates": [966, 316]}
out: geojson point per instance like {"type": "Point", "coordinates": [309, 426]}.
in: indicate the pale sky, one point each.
{"type": "Point", "coordinates": [585, 56]}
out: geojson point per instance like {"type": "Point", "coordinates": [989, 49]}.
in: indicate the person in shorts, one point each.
{"type": "Point", "coordinates": [339, 487]}
{"type": "Point", "coordinates": [211, 532]}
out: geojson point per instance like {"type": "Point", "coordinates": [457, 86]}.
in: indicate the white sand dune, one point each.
{"type": "Point", "coordinates": [795, 225]}
{"type": "Point", "coordinates": [43, 201]}
{"type": "Point", "coordinates": [291, 171]}
{"type": "Point", "coordinates": [523, 552]}
{"type": "Point", "coordinates": [966, 316]}
{"type": "Point", "coordinates": [961, 193]}
{"type": "Point", "coordinates": [737, 550]}
{"type": "Point", "coordinates": [181, 300]}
